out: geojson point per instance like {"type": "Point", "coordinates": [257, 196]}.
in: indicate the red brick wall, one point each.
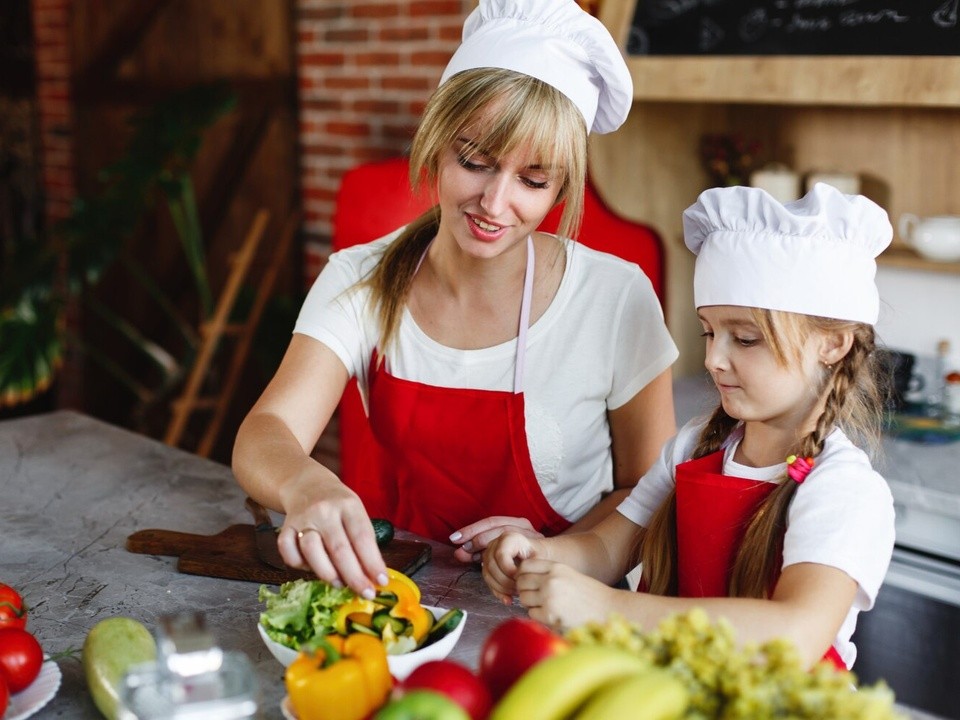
{"type": "Point", "coordinates": [366, 69]}
{"type": "Point", "coordinates": [51, 32]}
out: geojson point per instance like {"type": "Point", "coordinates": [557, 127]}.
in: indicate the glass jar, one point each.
{"type": "Point", "coordinates": [192, 677]}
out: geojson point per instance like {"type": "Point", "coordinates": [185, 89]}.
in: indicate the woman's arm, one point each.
{"type": "Point", "coordinates": [638, 431]}
{"type": "Point", "coordinates": [272, 463]}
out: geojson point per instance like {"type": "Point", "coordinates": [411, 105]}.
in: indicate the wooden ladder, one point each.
{"type": "Point", "coordinates": [190, 400]}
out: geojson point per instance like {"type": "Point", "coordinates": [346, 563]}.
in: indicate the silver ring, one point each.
{"type": "Point", "coordinates": [301, 533]}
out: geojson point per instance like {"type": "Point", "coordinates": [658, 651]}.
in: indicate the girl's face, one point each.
{"type": "Point", "coordinates": [489, 204]}
{"type": "Point", "coordinates": [753, 386]}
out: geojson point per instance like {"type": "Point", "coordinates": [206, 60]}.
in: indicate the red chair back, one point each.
{"type": "Point", "coordinates": [375, 199]}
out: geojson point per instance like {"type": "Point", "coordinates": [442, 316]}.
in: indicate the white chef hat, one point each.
{"type": "Point", "coordinates": [813, 256]}
{"type": "Point", "coordinates": [554, 41]}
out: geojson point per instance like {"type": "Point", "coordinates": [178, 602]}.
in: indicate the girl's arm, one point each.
{"type": "Point", "coordinates": [808, 605]}
{"type": "Point", "coordinates": [604, 552]}
{"type": "Point", "coordinates": [272, 463]}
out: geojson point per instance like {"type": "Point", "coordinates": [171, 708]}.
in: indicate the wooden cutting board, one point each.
{"type": "Point", "coordinates": [232, 554]}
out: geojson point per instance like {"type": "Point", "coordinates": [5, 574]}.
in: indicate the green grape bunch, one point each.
{"type": "Point", "coordinates": [731, 682]}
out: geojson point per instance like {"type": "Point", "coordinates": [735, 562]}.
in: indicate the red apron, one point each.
{"type": "Point", "coordinates": [455, 455]}
{"type": "Point", "coordinates": [713, 510]}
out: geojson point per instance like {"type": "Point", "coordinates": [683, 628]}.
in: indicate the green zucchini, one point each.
{"type": "Point", "coordinates": [111, 648]}
{"type": "Point", "coordinates": [361, 628]}
{"type": "Point", "coordinates": [385, 598]}
{"type": "Point", "coordinates": [382, 530]}
{"type": "Point", "coordinates": [383, 618]}
{"type": "Point", "coordinates": [443, 626]}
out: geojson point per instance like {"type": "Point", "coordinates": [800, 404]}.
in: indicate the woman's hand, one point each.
{"type": "Point", "coordinates": [327, 530]}
{"type": "Point", "coordinates": [501, 560]}
{"type": "Point", "coordinates": [559, 596]}
{"type": "Point", "coordinates": [473, 539]}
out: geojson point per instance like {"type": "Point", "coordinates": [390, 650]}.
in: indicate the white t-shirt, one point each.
{"type": "Point", "coordinates": [601, 340]}
{"type": "Point", "coordinates": [841, 515]}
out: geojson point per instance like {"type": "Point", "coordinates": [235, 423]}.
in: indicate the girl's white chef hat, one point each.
{"type": "Point", "coordinates": [554, 41]}
{"type": "Point", "coordinates": [813, 256]}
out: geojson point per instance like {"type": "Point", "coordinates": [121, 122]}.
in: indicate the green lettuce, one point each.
{"type": "Point", "coordinates": [301, 610]}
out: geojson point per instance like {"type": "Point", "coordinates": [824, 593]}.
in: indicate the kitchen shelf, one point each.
{"type": "Point", "coordinates": [904, 257]}
{"type": "Point", "coordinates": [849, 81]}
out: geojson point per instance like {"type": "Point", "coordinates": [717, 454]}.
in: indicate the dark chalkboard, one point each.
{"type": "Point", "coordinates": [795, 27]}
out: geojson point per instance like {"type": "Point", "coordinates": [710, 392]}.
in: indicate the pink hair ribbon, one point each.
{"type": "Point", "coordinates": [798, 468]}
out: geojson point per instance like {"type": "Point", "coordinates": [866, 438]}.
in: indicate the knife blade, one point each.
{"type": "Point", "coordinates": [265, 534]}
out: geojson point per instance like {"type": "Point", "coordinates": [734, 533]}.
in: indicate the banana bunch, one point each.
{"type": "Point", "coordinates": [593, 682]}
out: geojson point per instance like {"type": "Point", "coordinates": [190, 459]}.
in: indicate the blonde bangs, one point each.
{"type": "Point", "coordinates": [531, 117]}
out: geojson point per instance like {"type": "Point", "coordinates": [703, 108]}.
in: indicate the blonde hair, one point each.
{"type": "Point", "coordinates": [854, 402]}
{"type": "Point", "coordinates": [530, 115]}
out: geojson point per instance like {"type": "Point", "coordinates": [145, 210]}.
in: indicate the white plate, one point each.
{"type": "Point", "coordinates": [286, 707]}
{"type": "Point", "coordinates": [37, 694]}
{"type": "Point", "coordinates": [400, 665]}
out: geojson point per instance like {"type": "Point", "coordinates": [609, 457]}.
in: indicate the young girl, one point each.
{"type": "Point", "coordinates": [515, 379]}
{"type": "Point", "coordinates": [765, 513]}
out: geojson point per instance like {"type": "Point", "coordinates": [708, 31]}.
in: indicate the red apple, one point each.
{"type": "Point", "coordinates": [454, 680]}
{"type": "Point", "coordinates": [513, 647]}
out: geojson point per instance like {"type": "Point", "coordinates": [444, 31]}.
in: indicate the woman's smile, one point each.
{"type": "Point", "coordinates": [484, 230]}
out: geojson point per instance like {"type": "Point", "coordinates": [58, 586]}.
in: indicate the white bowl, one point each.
{"type": "Point", "coordinates": [400, 665]}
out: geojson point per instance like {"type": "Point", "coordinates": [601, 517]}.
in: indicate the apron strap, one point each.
{"type": "Point", "coordinates": [524, 317]}
{"type": "Point", "coordinates": [525, 303]}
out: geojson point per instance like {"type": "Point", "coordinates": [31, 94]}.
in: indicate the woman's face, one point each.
{"type": "Point", "coordinates": [753, 386]}
{"type": "Point", "coordinates": [489, 204]}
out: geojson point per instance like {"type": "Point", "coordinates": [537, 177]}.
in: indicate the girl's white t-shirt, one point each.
{"type": "Point", "coordinates": [601, 340]}
{"type": "Point", "coordinates": [842, 514]}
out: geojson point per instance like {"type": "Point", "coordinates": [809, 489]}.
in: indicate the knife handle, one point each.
{"type": "Point", "coordinates": [260, 514]}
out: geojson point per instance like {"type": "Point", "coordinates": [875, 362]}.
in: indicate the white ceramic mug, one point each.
{"type": "Point", "coordinates": [935, 238]}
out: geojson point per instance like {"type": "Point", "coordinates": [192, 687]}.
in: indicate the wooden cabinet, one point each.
{"type": "Point", "coordinates": [894, 121]}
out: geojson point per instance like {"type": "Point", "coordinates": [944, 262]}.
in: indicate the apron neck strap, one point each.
{"type": "Point", "coordinates": [525, 303]}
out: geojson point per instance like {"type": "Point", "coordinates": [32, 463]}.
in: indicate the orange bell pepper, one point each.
{"type": "Point", "coordinates": [346, 678]}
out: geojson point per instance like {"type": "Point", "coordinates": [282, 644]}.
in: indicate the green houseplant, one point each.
{"type": "Point", "coordinates": [36, 284]}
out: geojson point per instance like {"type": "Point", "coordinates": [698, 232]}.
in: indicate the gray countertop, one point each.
{"type": "Point", "coordinates": [74, 488]}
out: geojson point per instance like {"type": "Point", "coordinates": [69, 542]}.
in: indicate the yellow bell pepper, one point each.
{"type": "Point", "coordinates": [408, 604]}
{"type": "Point", "coordinates": [398, 583]}
{"type": "Point", "coordinates": [357, 607]}
{"type": "Point", "coordinates": [346, 678]}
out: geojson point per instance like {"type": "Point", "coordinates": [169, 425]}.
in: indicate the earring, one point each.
{"type": "Point", "coordinates": [828, 366]}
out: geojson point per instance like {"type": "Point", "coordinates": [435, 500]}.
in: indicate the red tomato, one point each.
{"type": "Point", "coordinates": [513, 647]}
{"type": "Point", "coordinates": [20, 658]}
{"type": "Point", "coordinates": [454, 680]}
{"type": "Point", "coordinates": [12, 611]}
{"type": "Point", "coordinates": [4, 697]}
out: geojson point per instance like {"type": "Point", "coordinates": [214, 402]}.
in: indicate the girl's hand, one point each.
{"type": "Point", "coordinates": [559, 596]}
{"type": "Point", "coordinates": [473, 539]}
{"type": "Point", "coordinates": [327, 530]}
{"type": "Point", "coordinates": [501, 560]}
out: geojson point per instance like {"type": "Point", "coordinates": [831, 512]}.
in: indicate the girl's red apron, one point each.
{"type": "Point", "coordinates": [455, 455]}
{"type": "Point", "coordinates": [713, 510]}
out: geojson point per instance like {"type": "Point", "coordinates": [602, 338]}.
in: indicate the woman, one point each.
{"type": "Point", "coordinates": [518, 381]}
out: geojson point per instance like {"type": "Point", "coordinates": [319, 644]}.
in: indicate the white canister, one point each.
{"type": "Point", "coordinates": [778, 180]}
{"type": "Point", "coordinates": [847, 183]}
{"type": "Point", "coordinates": [951, 394]}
